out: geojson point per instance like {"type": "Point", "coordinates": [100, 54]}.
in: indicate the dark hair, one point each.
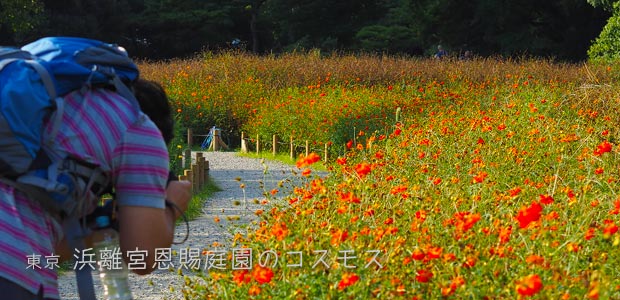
{"type": "Point", "coordinates": [154, 103]}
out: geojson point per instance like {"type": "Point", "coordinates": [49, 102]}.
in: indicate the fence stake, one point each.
{"type": "Point", "coordinates": [326, 148]}
{"type": "Point", "coordinates": [195, 174]}
{"type": "Point", "coordinates": [292, 149]}
{"type": "Point", "coordinates": [190, 176]}
{"type": "Point", "coordinates": [244, 146]}
{"type": "Point", "coordinates": [200, 169]}
{"type": "Point", "coordinates": [307, 148]}
{"type": "Point", "coordinates": [275, 144]}
{"type": "Point", "coordinates": [189, 138]}
{"type": "Point", "coordinates": [205, 169]}
{"type": "Point", "coordinates": [187, 158]}
{"type": "Point", "coordinates": [257, 144]}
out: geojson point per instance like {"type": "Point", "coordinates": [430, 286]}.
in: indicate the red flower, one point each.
{"type": "Point", "coordinates": [529, 285]}
{"type": "Point", "coordinates": [424, 276]}
{"type": "Point", "coordinates": [515, 191]}
{"type": "Point", "coordinates": [529, 214]}
{"type": "Point", "coordinates": [610, 229]}
{"type": "Point", "coordinates": [347, 280]}
{"type": "Point", "coordinates": [362, 169]}
{"type": "Point", "coordinates": [545, 199]}
{"type": "Point", "coordinates": [418, 254]}
{"type": "Point", "coordinates": [602, 148]}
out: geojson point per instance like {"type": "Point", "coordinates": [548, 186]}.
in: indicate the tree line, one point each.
{"type": "Point", "coordinates": [157, 29]}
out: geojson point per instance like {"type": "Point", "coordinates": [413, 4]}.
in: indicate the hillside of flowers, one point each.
{"type": "Point", "coordinates": [482, 179]}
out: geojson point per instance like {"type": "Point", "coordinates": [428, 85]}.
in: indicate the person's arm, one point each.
{"type": "Point", "coordinates": [143, 227]}
{"type": "Point", "coordinates": [147, 228]}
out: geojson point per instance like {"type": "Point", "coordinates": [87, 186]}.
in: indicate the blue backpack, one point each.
{"type": "Point", "coordinates": [33, 81]}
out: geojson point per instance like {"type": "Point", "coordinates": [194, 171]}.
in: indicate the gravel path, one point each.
{"type": "Point", "coordinates": [226, 168]}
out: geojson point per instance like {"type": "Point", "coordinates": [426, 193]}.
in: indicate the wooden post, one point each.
{"type": "Point", "coordinates": [205, 171]}
{"type": "Point", "coordinates": [244, 146]}
{"type": "Point", "coordinates": [326, 152]}
{"type": "Point", "coordinates": [257, 144]}
{"type": "Point", "coordinates": [200, 170]}
{"type": "Point", "coordinates": [190, 176]}
{"type": "Point", "coordinates": [187, 158]}
{"type": "Point", "coordinates": [216, 140]}
{"type": "Point", "coordinates": [189, 138]}
{"type": "Point", "coordinates": [182, 177]}
{"type": "Point", "coordinates": [195, 174]}
{"type": "Point", "coordinates": [274, 148]}
{"type": "Point", "coordinates": [292, 149]}
{"type": "Point", "coordinates": [307, 148]}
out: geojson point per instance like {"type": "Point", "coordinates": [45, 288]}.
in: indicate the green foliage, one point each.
{"type": "Point", "coordinates": [20, 17]}
{"type": "Point", "coordinates": [607, 45]}
{"type": "Point", "coordinates": [605, 4]}
{"type": "Point", "coordinates": [384, 38]}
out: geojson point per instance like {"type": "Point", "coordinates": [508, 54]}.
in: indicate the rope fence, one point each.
{"type": "Point", "coordinates": [277, 145]}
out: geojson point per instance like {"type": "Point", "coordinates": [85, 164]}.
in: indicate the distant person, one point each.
{"type": "Point", "coordinates": [467, 55]}
{"type": "Point", "coordinates": [441, 52]}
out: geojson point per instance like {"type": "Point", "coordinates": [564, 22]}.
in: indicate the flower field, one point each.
{"type": "Point", "coordinates": [497, 179]}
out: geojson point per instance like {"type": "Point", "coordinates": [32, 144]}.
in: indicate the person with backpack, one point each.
{"type": "Point", "coordinates": [94, 126]}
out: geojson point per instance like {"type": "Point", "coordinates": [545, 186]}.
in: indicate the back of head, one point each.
{"type": "Point", "coordinates": [154, 103]}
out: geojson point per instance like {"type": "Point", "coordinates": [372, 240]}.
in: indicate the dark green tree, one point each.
{"type": "Point", "coordinates": [171, 28]}
{"type": "Point", "coordinates": [19, 19]}
{"type": "Point", "coordinates": [322, 24]}
{"type": "Point", "coordinates": [607, 46]}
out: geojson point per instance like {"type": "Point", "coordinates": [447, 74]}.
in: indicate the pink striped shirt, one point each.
{"type": "Point", "coordinates": [102, 128]}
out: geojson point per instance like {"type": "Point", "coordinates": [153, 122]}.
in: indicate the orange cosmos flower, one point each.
{"type": "Point", "coordinates": [398, 189]}
{"type": "Point", "coordinates": [254, 290]}
{"type": "Point", "coordinates": [480, 177]}
{"type": "Point", "coordinates": [347, 280]}
{"type": "Point", "coordinates": [529, 285]}
{"type": "Point", "coordinates": [616, 209]}
{"type": "Point", "coordinates": [241, 276]}
{"type": "Point", "coordinates": [504, 234]}
{"type": "Point", "coordinates": [261, 274]}
{"type": "Point", "coordinates": [590, 233]}
{"type": "Point", "coordinates": [279, 230]}
{"type": "Point", "coordinates": [339, 236]}
{"type": "Point", "coordinates": [465, 220]}
{"type": "Point", "coordinates": [348, 197]}
{"type": "Point", "coordinates": [307, 160]}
